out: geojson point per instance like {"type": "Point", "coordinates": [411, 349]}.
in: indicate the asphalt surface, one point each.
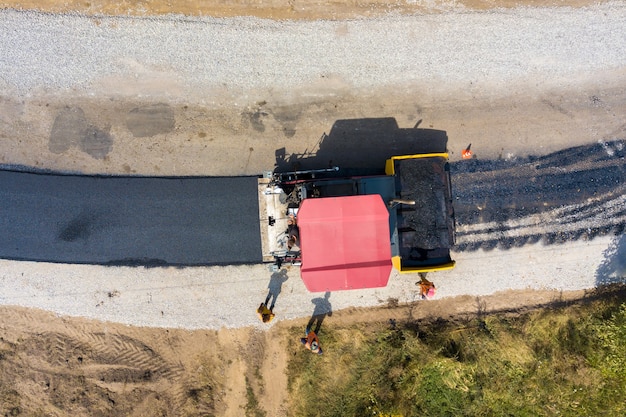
{"type": "Point", "coordinates": [129, 220]}
{"type": "Point", "coordinates": [576, 193]}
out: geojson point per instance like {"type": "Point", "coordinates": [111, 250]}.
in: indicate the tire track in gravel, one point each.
{"type": "Point", "coordinates": [576, 193]}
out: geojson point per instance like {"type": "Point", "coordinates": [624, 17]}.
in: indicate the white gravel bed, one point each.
{"type": "Point", "coordinates": [212, 298]}
{"type": "Point", "coordinates": [48, 52]}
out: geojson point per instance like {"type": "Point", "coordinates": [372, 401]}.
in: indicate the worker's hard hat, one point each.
{"type": "Point", "coordinates": [314, 346]}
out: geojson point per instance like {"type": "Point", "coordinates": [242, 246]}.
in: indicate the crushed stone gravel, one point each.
{"type": "Point", "coordinates": [460, 49]}
{"type": "Point", "coordinates": [227, 297]}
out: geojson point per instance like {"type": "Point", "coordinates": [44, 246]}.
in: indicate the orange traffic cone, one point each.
{"type": "Point", "coordinates": [467, 153]}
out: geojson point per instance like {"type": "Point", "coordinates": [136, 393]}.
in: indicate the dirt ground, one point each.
{"type": "Point", "coordinates": [61, 366]}
{"type": "Point", "coordinates": [274, 9]}
{"type": "Point", "coordinates": [58, 366]}
{"type": "Point", "coordinates": [248, 135]}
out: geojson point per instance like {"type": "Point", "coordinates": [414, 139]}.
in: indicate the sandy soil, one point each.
{"type": "Point", "coordinates": [58, 365]}
{"type": "Point", "coordinates": [63, 366]}
{"type": "Point", "coordinates": [276, 9]}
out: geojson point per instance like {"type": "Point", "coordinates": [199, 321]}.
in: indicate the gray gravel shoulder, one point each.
{"type": "Point", "coordinates": [218, 297]}
{"type": "Point", "coordinates": [456, 50]}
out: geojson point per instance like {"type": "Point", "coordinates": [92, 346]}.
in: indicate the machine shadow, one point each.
{"type": "Point", "coordinates": [613, 269]}
{"type": "Point", "coordinates": [361, 147]}
{"type": "Point", "coordinates": [575, 193]}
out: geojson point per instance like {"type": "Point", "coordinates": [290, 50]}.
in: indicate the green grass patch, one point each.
{"type": "Point", "coordinates": [566, 361]}
{"type": "Point", "coordinates": [252, 404]}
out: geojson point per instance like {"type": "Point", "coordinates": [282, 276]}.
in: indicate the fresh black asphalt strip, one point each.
{"type": "Point", "coordinates": [129, 220]}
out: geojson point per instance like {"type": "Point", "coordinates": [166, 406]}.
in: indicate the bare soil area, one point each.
{"type": "Point", "coordinates": [157, 137]}
{"type": "Point", "coordinates": [275, 9]}
{"type": "Point", "coordinates": [57, 366]}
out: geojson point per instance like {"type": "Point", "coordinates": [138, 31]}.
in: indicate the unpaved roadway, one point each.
{"type": "Point", "coordinates": [203, 96]}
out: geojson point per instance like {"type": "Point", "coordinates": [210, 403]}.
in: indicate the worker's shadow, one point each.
{"type": "Point", "coordinates": [275, 287]}
{"type": "Point", "coordinates": [321, 310]}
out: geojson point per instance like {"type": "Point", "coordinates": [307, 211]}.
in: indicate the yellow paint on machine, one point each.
{"type": "Point", "coordinates": [389, 166]}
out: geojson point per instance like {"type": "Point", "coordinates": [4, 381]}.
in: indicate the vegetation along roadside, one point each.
{"type": "Point", "coordinates": [568, 359]}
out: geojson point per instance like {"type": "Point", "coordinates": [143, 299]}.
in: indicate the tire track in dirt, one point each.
{"type": "Point", "coordinates": [108, 361]}
{"type": "Point", "coordinates": [133, 353]}
{"type": "Point", "coordinates": [78, 366]}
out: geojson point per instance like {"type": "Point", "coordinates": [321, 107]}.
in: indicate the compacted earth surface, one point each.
{"type": "Point", "coordinates": [231, 88]}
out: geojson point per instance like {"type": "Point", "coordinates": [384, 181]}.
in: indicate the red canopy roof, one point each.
{"type": "Point", "coordinates": [345, 243]}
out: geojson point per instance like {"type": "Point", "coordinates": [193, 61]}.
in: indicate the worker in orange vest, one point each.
{"type": "Point", "coordinates": [311, 341]}
{"type": "Point", "coordinates": [427, 288]}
